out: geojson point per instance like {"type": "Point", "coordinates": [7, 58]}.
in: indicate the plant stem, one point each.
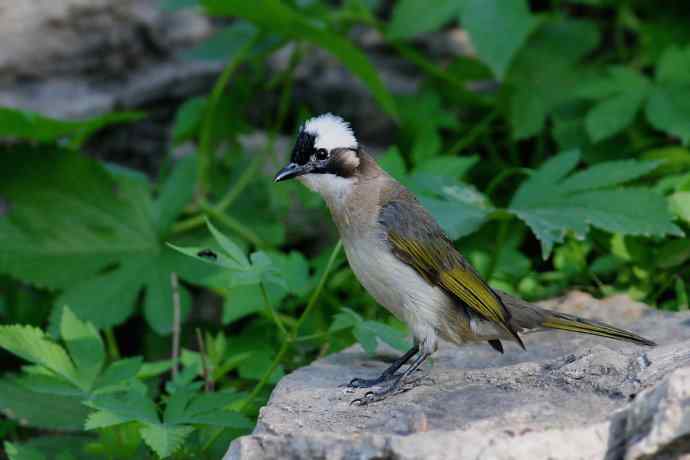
{"type": "Point", "coordinates": [205, 141]}
{"type": "Point", "coordinates": [503, 175]}
{"type": "Point", "coordinates": [111, 341]}
{"type": "Point", "coordinates": [208, 381]}
{"type": "Point", "coordinates": [473, 134]}
{"type": "Point", "coordinates": [176, 324]}
{"type": "Point", "coordinates": [272, 312]}
{"type": "Point", "coordinates": [234, 225]}
{"type": "Point", "coordinates": [291, 338]}
{"type": "Point", "coordinates": [498, 248]}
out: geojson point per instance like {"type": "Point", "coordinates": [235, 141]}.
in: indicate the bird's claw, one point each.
{"type": "Point", "coordinates": [364, 383]}
{"type": "Point", "coordinates": [369, 397]}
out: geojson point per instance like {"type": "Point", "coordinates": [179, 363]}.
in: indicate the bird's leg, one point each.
{"type": "Point", "coordinates": [372, 396]}
{"type": "Point", "coordinates": [388, 374]}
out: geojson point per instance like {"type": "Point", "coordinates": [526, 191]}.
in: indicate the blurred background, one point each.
{"type": "Point", "coordinates": [549, 138]}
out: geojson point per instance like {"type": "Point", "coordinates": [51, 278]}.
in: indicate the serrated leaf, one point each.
{"type": "Point", "coordinates": [106, 299]}
{"type": "Point", "coordinates": [366, 338]}
{"type": "Point", "coordinates": [679, 203]}
{"type": "Point", "coordinates": [22, 124]}
{"type": "Point", "coordinates": [127, 406]}
{"type": "Point", "coordinates": [227, 42]}
{"type": "Point", "coordinates": [85, 346]}
{"type": "Point", "coordinates": [176, 192]}
{"type": "Point", "coordinates": [674, 66]}
{"type": "Point", "coordinates": [552, 204]}
{"type": "Point", "coordinates": [607, 174]}
{"type": "Point", "coordinates": [158, 303]}
{"type": "Point", "coordinates": [538, 89]}
{"type": "Point", "coordinates": [120, 371]}
{"type": "Point", "coordinates": [668, 110]}
{"type": "Point", "coordinates": [414, 17]}
{"type": "Point", "coordinates": [387, 334]}
{"type": "Point", "coordinates": [165, 440]}
{"type": "Point", "coordinates": [33, 345]}
{"type": "Point", "coordinates": [277, 17]}
{"type": "Point", "coordinates": [68, 217]}
{"type": "Point", "coordinates": [622, 92]}
{"type": "Point", "coordinates": [39, 410]}
{"type": "Point", "coordinates": [393, 163]}
{"type": "Point", "coordinates": [446, 165]}
{"type": "Point", "coordinates": [232, 250]}
{"type": "Point", "coordinates": [483, 18]}
{"type": "Point", "coordinates": [103, 419]}
{"type": "Point", "coordinates": [206, 409]}
{"type": "Point", "coordinates": [18, 452]}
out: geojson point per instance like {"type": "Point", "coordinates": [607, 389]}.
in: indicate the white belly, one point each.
{"type": "Point", "coordinates": [398, 287]}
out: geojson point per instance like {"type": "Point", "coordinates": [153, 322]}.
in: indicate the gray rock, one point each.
{"type": "Point", "coordinates": [569, 396]}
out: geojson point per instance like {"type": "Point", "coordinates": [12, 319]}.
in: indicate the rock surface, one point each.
{"type": "Point", "coordinates": [569, 396]}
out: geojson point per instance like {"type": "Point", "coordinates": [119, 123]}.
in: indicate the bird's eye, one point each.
{"type": "Point", "coordinates": [321, 154]}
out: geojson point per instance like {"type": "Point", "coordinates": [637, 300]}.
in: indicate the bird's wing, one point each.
{"type": "Point", "coordinates": [419, 241]}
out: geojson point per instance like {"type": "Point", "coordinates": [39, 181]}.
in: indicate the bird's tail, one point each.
{"type": "Point", "coordinates": [525, 315]}
{"type": "Point", "coordinates": [565, 322]}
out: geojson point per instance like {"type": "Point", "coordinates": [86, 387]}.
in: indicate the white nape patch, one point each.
{"type": "Point", "coordinates": [334, 189]}
{"type": "Point", "coordinates": [331, 132]}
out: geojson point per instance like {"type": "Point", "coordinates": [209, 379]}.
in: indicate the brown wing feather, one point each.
{"type": "Point", "coordinates": [419, 241]}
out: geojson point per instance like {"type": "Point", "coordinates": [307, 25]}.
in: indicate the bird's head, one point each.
{"type": "Point", "coordinates": [325, 157]}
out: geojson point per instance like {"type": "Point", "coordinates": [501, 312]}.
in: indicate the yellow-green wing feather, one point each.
{"type": "Point", "coordinates": [417, 240]}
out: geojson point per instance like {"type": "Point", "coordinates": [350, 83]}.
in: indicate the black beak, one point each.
{"type": "Point", "coordinates": [290, 171]}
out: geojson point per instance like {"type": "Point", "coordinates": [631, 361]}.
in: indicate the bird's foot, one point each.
{"type": "Point", "coordinates": [380, 395]}
{"type": "Point", "coordinates": [368, 383]}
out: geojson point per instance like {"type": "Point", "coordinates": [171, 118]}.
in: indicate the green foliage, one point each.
{"type": "Point", "coordinates": [554, 154]}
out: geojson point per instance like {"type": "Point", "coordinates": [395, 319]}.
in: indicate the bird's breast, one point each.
{"type": "Point", "coordinates": [394, 284]}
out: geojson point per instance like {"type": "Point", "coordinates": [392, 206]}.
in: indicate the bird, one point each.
{"type": "Point", "coordinates": [406, 262]}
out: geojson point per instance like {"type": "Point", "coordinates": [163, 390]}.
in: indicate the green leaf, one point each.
{"type": "Point", "coordinates": [344, 320]}
{"type": "Point", "coordinates": [260, 362]}
{"type": "Point", "coordinates": [17, 452]}
{"type": "Point", "coordinates": [205, 409]}
{"type": "Point", "coordinates": [33, 345]}
{"type": "Point", "coordinates": [38, 410]}
{"type": "Point", "coordinates": [119, 372]}
{"type": "Point", "coordinates": [617, 110]}
{"type": "Point", "coordinates": [177, 191]}
{"type": "Point", "coordinates": [668, 110]}
{"type": "Point", "coordinates": [188, 120]}
{"type": "Point", "coordinates": [225, 43]}
{"type": "Point", "coordinates": [174, 5]}
{"type": "Point", "coordinates": [414, 17]}
{"type": "Point", "coordinates": [68, 217]}
{"type": "Point", "coordinates": [499, 28]}
{"type": "Point", "coordinates": [124, 406]}
{"type": "Point", "coordinates": [21, 124]}
{"type": "Point", "coordinates": [393, 163]}
{"type": "Point", "coordinates": [460, 209]}
{"type": "Point", "coordinates": [232, 250]}
{"type": "Point", "coordinates": [679, 203]}
{"type": "Point", "coordinates": [674, 66]}
{"type": "Point", "coordinates": [538, 89]}
{"type": "Point", "coordinates": [392, 337]}
{"type": "Point", "coordinates": [277, 17]}
{"type": "Point", "coordinates": [165, 440]}
{"type": "Point", "coordinates": [85, 347]}
{"type": "Point", "coordinates": [552, 204]}
{"type": "Point", "coordinates": [607, 174]}
{"type": "Point", "coordinates": [158, 304]}
{"type": "Point", "coordinates": [106, 299]}
{"type": "Point", "coordinates": [446, 165]}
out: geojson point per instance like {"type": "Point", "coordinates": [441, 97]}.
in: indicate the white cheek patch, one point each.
{"type": "Point", "coordinates": [332, 188]}
{"type": "Point", "coordinates": [350, 160]}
